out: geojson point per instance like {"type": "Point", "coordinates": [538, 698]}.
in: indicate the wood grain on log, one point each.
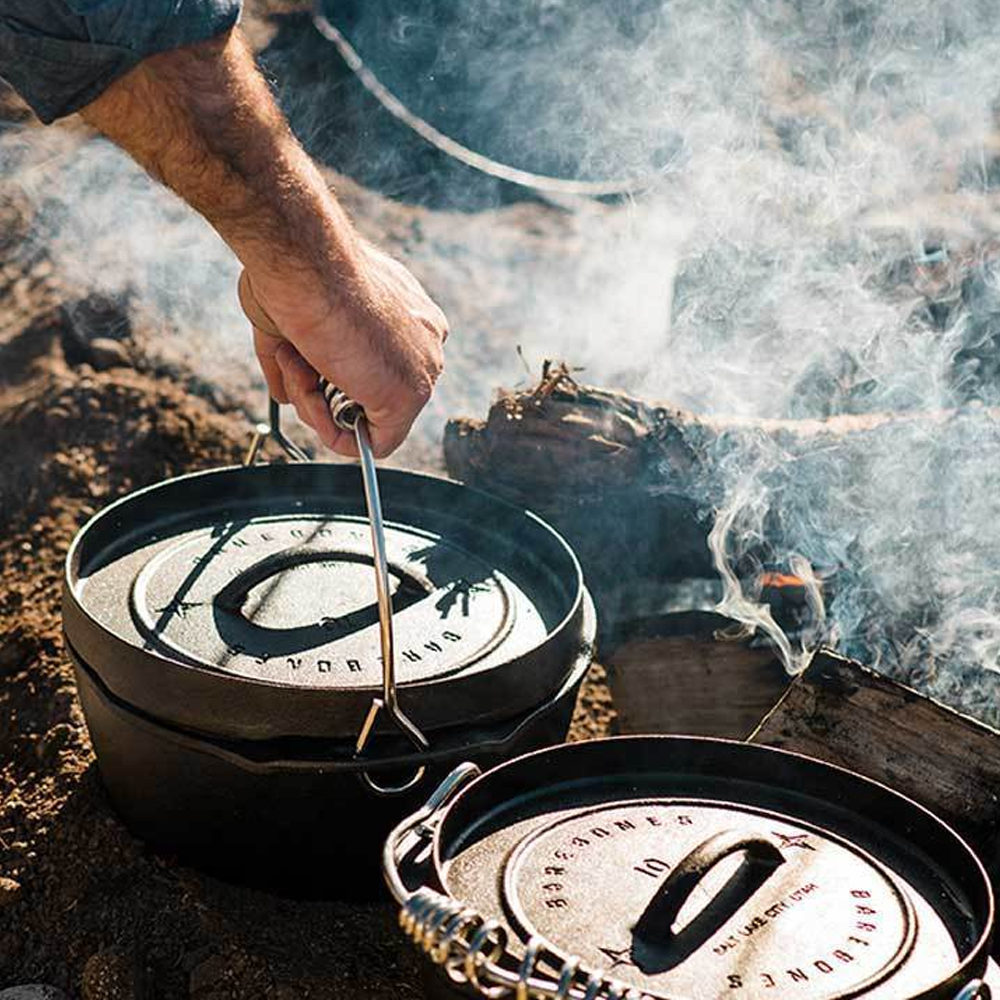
{"type": "Point", "coordinates": [691, 673]}
{"type": "Point", "coordinates": [842, 712]}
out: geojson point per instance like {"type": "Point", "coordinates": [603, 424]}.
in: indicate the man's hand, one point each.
{"type": "Point", "coordinates": [383, 351]}
{"type": "Point", "coordinates": [202, 120]}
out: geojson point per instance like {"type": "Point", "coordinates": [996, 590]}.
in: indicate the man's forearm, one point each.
{"type": "Point", "coordinates": [202, 120]}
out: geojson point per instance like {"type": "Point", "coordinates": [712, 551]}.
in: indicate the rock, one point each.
{"type": "Point", "coordinates": [282, 991]}
{"type": "Point", "coordinates": [15, 648]}
{"type": "Point", "coordinates": [57, 738]}
{"type": "Point", "coordinates": [210, 973]}
{"type": "Point", "coordinates": [192, 959]}
{"type": "Point", "coordinates": [10, 892]}
{"type": "Point", "coordinates": [107, 353]}
{"type": "Point", "coordinates": [32, 991]}
{"type": "Point", "coordinates": [110, 975]}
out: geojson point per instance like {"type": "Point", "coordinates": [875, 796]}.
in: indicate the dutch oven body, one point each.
{"type": "Point", "coordinates": [303, 823]}
{"type": "Point", "coordinates": [225, 648]}
{"type": "Point", "coordinates": [681, 868]}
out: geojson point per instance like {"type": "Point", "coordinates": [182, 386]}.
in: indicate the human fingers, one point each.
{"type": "Point", "coordinates": [301, 382]}
{"type": "Point", "coordinates": [266, 347]}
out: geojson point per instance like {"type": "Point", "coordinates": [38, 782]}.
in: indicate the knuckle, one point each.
{"type": "Point", "coordinates": [422, 392]}
{"type": "Point", "coordinates": [437, 362]}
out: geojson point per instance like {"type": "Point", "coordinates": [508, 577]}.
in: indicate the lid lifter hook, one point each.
{"type": "Point", "coordinates": [349, 416]}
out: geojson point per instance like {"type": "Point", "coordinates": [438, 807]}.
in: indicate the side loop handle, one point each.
{"type": "Point", "coordinates": [259, 318]}
{"type": "Point", "coordinates": [974, 990]}
{"type": "Point", "coordinates": [272, 430]}
{"type": "Point", "coordinates": [421, 824]}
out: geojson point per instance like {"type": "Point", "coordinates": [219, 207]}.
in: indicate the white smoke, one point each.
{"type": "Point", "coordinates": [816, 238]}
{"type": "Point", "coordinates": [114, 234]}
{"type": "Point", "coordinates": [826, 246]}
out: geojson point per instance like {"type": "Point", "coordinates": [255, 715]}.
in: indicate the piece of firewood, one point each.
{"type": "Point", "coordinates": [842, 712]}
{"type": "Point", "coordinates": [563, 440]}
{"type": "Point", "coordinates": [632, 484]}
{"type": "Point", "coordinates": [693, 673]}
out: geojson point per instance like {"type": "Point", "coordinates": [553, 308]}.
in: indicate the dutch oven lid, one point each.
{"type": "Point", "coordinates": [241, 602]}
{"type": "Point", "coordinates": [692, 895]}
{"type": "Point", "coordinates": [687, 869]}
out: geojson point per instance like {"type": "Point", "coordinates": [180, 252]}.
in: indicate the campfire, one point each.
{"type": "Point", "coordinates": [666, 473]}
{"type": "Point", "coordinates": [747, 510]}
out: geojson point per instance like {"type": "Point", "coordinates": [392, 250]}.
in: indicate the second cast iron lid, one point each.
{"type": "Point", "coordinates": [698, 869]}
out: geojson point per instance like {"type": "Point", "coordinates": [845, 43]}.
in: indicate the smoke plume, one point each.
{"type": "Point", "coordinates": [814, 234]}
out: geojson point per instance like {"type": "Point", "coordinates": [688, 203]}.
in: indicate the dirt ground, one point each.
{"type": "Point", "coordinates": [84, 906]}
{"type": "Point", "coordinates": [82, 901]}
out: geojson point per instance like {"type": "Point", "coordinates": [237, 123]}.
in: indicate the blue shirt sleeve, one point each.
{"type": "Point", "coordinates": [59, 55]}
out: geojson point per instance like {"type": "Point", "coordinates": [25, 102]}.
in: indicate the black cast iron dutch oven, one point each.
{"type": "Point", "coordinates": [225, 630]}
{"type": "Point", "coordinates": [683, 868]}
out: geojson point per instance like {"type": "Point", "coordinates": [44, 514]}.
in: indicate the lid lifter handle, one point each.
{"type": "Point", "coordinates": [349, 416]}
{"type": "Point", "coordinates": [655, 926]}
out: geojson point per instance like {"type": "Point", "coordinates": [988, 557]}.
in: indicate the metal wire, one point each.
{"type": "Point", "coordinates": [472, 948]}
{"type": "Point", "coordinates": [349, 416]}
{"type": "Point", "coordinates": [555, 188]}
{"type": "Point", "coordinates": [272, 429]}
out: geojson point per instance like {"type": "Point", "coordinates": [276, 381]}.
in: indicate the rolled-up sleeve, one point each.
{"type": "Point", "coordinates": [59, 55]}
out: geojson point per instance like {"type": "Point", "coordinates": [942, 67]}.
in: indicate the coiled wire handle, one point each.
{"type": "Point", "coordinates": [349, 416]}
{"type": "Point", "coordinates": [472, 950]}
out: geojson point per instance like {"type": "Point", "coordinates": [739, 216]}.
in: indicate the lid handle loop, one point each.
{"type": "Point", "coordinates": [655, 926]}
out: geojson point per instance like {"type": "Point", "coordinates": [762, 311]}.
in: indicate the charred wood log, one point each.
{"type": "Point", "coordinates": [842, 712]}
{"type": "Point", "coordinates": [632, 484]}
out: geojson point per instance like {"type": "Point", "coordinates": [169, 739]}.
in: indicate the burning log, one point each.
{"type": "Point", "coordinates": [632, 484]}
{"type": "Point", "coordinates": [843, 712]}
